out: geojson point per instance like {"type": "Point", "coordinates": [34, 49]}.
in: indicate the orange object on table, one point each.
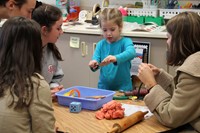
{"type": "Point", "coordinates": [72, 92]}
{"type": "Point", "coordinates": [110, 110]}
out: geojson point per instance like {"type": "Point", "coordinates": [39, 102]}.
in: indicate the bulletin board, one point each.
{"type": "Point", "coordinates": [142, 55]}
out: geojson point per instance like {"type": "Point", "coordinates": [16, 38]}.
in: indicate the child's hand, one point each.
{"type": "Point", "coordinates": [93, 64]}
{"type": "Point", "coordinates": [108, 60]}
{"type": "Point", "coordinates": [146, 75]}
{"type": "Point", "coordinates": [54, 90]}
{"type": "Point", "coordinates": [155, 70]}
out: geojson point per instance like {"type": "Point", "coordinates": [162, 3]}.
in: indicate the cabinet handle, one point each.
{"type": "Point", "coordinates": [84, 49]}
{"type": "Point", "coordinates": [94, 47]}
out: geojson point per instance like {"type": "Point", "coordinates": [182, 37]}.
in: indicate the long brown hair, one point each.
{"type": "Point", "coordinates": [47, 15]}
{"type": "Point", "coordinates": [20, 58]}
{"type": "Point", "coordinates": [185, 31]}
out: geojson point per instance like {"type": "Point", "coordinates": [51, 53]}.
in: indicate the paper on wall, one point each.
{"type": "Point", "coordinates": [74, 42]}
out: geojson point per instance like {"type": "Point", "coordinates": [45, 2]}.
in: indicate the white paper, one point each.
{"type": "Point", "coordinates": [74, 42]}
{"type": "Point", "coordinates": [139, 48]}
{"type": "Point", "coordinates": [130, 109]}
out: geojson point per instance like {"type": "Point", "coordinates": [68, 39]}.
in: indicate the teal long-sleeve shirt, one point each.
{"type": "Point", "coordinates": [115, 76]}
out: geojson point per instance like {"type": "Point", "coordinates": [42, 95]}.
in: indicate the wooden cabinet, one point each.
{"type": "Point", "coordinates": [75, 66]}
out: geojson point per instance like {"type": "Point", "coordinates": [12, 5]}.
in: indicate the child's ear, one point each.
{"type": "Point", "coordinates": [44, 30]}
{"type": "Point", "coordinates": [121, 27]}
{"type": "Point", "coordinates": [10, 4]}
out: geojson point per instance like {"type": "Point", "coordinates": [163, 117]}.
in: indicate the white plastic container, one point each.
{"type": "Point", "coordinates": [142, 12]}
{"type": "Point", "coordinates": [169, 13]}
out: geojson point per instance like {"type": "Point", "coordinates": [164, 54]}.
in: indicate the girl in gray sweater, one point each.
{"type": "Point", "coordinates": [50, 19]}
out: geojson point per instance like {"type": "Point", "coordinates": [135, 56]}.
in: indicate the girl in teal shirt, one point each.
{"type": "Point", "coordinates": [113, 54]}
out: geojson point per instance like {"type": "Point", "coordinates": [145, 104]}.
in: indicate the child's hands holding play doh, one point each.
{"type": "Point", "coordinates": [108, 60]}
{"type": "Point", "coordinates": [93, 64]}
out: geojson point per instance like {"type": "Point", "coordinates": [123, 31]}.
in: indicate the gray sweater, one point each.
{"type": "Point", "coordinates": [51, 69]}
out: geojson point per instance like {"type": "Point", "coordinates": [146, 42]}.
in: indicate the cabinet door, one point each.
{"type": "Point", "coordinates": [76, 60]}
{"type": "Point", "coordinates": [94, 76]}
{"type": "Point", "coordinates": [75, 65]}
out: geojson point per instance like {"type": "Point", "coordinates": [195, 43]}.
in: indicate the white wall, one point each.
{"type": "Point", "coordinates": [52, 2]}
{"type": "Point", "coordinates": [88, 4]}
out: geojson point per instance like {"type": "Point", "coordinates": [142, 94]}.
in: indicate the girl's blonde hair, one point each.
{"type": "Point", "coordinates": [111, 14]}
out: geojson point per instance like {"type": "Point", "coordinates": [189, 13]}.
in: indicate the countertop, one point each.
{"type": "Point", "coordinates": [129, 29]}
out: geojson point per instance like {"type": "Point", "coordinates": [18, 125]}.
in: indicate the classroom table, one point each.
{"type": "Point", "coordinates": [86, 122]}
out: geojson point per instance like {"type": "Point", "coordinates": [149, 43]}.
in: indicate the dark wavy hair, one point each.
{"type": "Point", "coordinates": [18, 3]}
{"type": "Point", "coordinates": [20, 58]}
{"type": "Point", "coordinates": [47, 15]}
{"type": "Point", "coordinates": [185, 31]}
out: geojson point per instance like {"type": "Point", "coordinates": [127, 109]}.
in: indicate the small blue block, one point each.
{"type": "Point", "coordinates": [75, 107]}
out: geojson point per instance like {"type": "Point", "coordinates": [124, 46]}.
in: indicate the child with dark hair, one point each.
{"type": "Point", "coordinates": [25, 97]}
{"type": "Point", "coordinates": [50, 19]}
